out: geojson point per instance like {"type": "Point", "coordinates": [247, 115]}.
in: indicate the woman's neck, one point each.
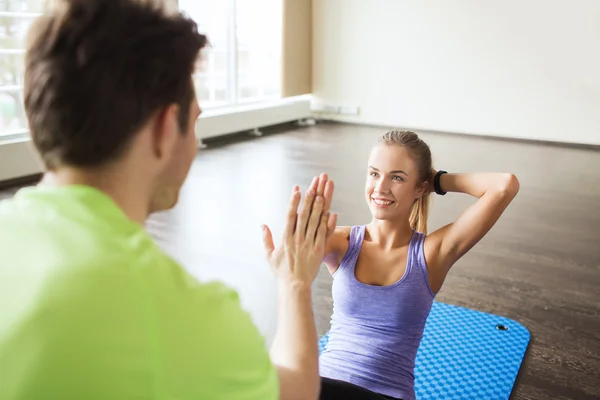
{"type": "Point", "coordinates": [389, 234]}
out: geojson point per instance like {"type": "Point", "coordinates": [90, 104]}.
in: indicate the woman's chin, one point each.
{"type": "Point", "coordinates": [379, 213]}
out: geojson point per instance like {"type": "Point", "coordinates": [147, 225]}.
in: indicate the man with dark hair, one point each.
{"type": "Point", "coordinates": [90, 307]}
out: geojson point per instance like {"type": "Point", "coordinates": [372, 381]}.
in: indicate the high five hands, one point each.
{"type": "Point", "coordinates": [301, 252]}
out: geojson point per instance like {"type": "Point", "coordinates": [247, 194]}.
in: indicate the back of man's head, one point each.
{"type": "Point", "coordinates": [97, 70]}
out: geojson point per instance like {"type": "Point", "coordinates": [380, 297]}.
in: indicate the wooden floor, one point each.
{"type": "Point", "coordinates": [540, 265]}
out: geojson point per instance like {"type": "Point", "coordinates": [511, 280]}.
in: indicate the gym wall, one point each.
{"type": "Point", "coordinates": [522, 69]}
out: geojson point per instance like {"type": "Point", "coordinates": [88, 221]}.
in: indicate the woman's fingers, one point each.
{"type": "Point", "coordinates": [304, 214]}
{"type": "Point", "coordinates": [292, 213]}
{"type": "Point", "coordinates": [309, 216]}
{"type": "Point", "coordinates": [314, 184]}
{"type": "Point", "coordinates": [315, 218]}
{"type": "Point", "coordinates": [331, 224]}
{"type": "Point", "coordinates": [321, 236]}
{"type": "Point", "coordinates": [328, 195]}
{"type": "Point", "coordinates": [332, 220]}
{"type": "Point", "coordinates": [323, 178]}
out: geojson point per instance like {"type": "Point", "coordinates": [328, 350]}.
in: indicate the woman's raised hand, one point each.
{"type": "Point", "coordinates": [301, 252]}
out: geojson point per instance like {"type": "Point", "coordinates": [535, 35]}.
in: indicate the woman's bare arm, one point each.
{"type": "Point", "coordinates": [446, 245]}
{"type": "Point", "coordinates": [336, 248]}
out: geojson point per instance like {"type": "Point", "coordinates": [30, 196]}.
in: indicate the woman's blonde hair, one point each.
{"type": "Point", "coordinates": [420, 153]}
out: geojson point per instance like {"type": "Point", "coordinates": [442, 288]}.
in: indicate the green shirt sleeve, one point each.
{"type": "Point", "coordinates": [207, 346]}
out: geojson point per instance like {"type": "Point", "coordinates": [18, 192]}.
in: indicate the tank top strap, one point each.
{"type": "Point", "coordinates": [357, 235]}
{"type": "Point", "coordinates": [417, 257]}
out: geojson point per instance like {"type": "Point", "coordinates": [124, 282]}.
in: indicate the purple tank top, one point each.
{"type": "Point", "coordinates": [376, 330]}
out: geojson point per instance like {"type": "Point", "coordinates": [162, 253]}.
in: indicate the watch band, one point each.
{"type": "Point", "coordinates": [436, 183]}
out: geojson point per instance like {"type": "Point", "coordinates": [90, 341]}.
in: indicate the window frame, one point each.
{"type": "Point", "coordinates": [233, 97]}
{"type": "Point", "coordinates": [12, 134]}
{"type": "Point", "coordinates": [233, 89]}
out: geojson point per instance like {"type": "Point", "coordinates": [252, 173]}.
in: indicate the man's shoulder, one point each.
{"type": "Point", "coordinates": [69, 227]}
{"type": "Point", "coordinates": [205, 324]}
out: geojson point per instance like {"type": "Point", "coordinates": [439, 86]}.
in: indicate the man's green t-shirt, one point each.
{"type": "Point", "coordinates": [91, 308]}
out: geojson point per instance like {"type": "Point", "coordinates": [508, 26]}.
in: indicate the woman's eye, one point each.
{"type": "Point", "coordinates": [373, 174]}
{"type": "Point", "coordinates": [398, 178]}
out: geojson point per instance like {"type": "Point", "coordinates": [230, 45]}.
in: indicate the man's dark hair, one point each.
{"type": "Point", "coordinates": [97, 70]}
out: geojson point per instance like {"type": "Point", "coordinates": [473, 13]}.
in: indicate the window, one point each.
{"type": "Point", "coordinates": [15, 18]}
{"type": "Point", "coordinates": [243, 62]}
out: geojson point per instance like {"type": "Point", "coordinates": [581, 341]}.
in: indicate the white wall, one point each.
{"type": "Point", "coordinates": [517, 68]}
{"type": "Point", "coordinates": [18, 159]}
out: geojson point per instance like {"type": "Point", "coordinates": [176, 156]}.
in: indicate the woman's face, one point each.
{"type": "Point", "coordinates": [393, 183]}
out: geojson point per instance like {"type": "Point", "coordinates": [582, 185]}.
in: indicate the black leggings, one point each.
{"type": "Point", "coordinates": [332, 389]}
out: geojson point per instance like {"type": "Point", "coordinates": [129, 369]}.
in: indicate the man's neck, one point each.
{"type": "Point", "coordinates": [127, 192]}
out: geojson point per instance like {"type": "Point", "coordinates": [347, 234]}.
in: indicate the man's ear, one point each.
{"type": "Point", "coordinates": [166, 129]}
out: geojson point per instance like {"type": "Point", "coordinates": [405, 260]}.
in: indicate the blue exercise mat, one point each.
{"type": "Point", "coordinates": [466, 354]}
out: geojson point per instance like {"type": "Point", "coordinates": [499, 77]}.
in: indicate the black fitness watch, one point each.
{"type": "Point", "coordinates": [436, 183]}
